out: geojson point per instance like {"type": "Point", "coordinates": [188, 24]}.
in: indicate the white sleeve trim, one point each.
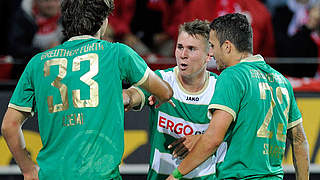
{"type": "Point", "coordinates": [294, 123]}
{"type": "Point", "coordinates": [144, 78]}
{"type": "Point", "coordinates": [20, 108]}
{"type": "Point", "coordinates": [225, 108]}
{"type": "Point", "coordinates": [143, 98]}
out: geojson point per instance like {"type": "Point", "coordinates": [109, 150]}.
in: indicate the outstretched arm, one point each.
{"type": "Point", "coordinates": [161, 92]}
{"type": "Point", "coordinates": [208, 143]}
{"type": "Point", "coordinates": [158, 87]}
{"type": "Point", "coordinates": [300, 151]}
{"type": "Point", "coordinates": [12, 133]}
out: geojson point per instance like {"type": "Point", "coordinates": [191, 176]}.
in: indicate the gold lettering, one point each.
{"type": "Point", "coordinates": [266, 149]}
{"type": "Point", "coordinates": [87, 79]}
{"type": "Point", "coordinates": [273, 150]}
{"type": "Point", "coordinates": [270, 77]}
{"type": "Point", "coordinates": [91, 47]}
{"type": "Point", "coordinates": [79, 118]}
{"type": "Point", "coordinates": [72, 119]}
{"type": "Point", "coordinates": [101, 47]}
{"type": "Point", "coordinates": [62, 63]}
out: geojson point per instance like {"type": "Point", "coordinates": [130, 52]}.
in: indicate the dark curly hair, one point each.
{"type": "Point", "coordinates": [84, 17]}
{"type": "Point", "coordinates": [235, 28]}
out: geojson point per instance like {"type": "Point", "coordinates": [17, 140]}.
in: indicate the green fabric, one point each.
{"type": "Point", "coordinates": [259, 97]}
{"type": "Point", "coordinates": [167, 124]}
{"type": "Point", "coordinates": [82, 138]}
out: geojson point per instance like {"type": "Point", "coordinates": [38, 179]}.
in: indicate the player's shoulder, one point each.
{"type": "Point", "coordinates": [166, 74]}
{"type": "Point", "coordinates": [123, 47]}
{"type": "Point", "coordinates": [233, 71]}
{"type": "Point", "coordinates": [165, 71]}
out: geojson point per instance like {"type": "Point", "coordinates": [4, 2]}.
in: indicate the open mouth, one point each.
{"type": "Point", "coordinates": [183, 66]}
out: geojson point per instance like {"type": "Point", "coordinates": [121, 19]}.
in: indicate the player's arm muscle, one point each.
{"type": "Point", "coordinates": [12, 133]}
{"type": "Point", "coordinates": [209, 142]}
{"type": "Point", "coordinates": [300, 151]}
{"type": "Point", "coordinates": [158, 87]}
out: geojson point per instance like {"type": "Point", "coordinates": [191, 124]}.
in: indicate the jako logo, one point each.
{"type": "Point", "coordinates": [193, 98]}
{"type": "Point", "coordinates": [178, 127]}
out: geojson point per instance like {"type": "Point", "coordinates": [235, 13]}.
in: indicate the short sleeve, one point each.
{"type": "Point", "coordinates": [132, 67]}
{"type": "Point", "coordinates": [23, 98]}
{"type": "Point", "coordinates": [294, 117]}
{"type": "Point", "coordinates": [228, 93]}
{"type": "Point", "coordinates": [145, 94]}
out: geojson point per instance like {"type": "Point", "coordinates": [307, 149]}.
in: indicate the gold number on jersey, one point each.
{"type": "Point", "coordinates": [62, 63]}
{"type": "Point", "coordinates": [86, 78]}
{"type": "Point", "coordinates": [263, 130]}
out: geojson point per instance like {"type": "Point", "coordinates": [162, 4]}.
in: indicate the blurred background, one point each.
{"type": "Point", "coordinates": [285, 32]}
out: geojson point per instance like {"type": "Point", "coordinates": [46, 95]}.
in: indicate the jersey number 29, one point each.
{"type": "Point", "coordinates": [263, 130]}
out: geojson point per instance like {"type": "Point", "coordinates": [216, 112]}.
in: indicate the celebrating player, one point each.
{"type": "Point", "coordinates": [193, 88]}
{"type": "Point", "coordinates": [76, 90]}
{"type": "Point", "coordinates": [254, 110]}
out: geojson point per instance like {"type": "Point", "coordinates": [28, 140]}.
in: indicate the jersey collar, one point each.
{"type": "Point", "coordinates": [82, 37]}
{"type": "Point", "coordinates": [176, 71]}
{"type": "Point", "coordinates": [255, 58]}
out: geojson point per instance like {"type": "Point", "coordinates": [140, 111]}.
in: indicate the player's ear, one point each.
{"type": "Point", "coordinates": [106, 21]}
{"type": "Point", "coordinates": [227, 47]}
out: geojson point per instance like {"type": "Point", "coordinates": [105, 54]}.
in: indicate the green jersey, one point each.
{"type": "Point", "coordinates": [263, 106]}
{"type": "Point", "coordinates": [76, 89]}
{"type": "Point", "coordinates": [189, 117]}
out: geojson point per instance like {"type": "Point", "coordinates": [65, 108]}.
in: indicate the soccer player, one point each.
{"type": "Point", "coordinates": [254, 111]}
{"type": "Point", "coordinates": [76, 89]}
{"type": "Point", "coordinates": [193, 88]}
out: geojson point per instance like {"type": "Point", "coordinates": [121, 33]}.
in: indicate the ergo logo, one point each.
{"type": "Point", "coordinates": [178, 126]}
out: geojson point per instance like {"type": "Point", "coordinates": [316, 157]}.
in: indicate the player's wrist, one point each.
{"type": "Point", "coordinates": [177, 174]}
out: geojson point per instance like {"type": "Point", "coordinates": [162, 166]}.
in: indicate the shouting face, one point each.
{"type": "Point", "coordinates": [192, 54]}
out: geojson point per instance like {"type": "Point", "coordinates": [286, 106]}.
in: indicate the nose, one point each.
{"type": "Point", "coordinates": [184, 52]}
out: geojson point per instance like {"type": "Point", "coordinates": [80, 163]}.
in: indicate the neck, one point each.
{"type": "Point", "coordinates": [195, 83]}
{"type": "Point", "coordinates": [238, 57]}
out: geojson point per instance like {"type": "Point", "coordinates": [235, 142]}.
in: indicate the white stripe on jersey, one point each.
{"type": "Point", "coordinates": [164, 163]}
{"type": "Point", "coordinates": [178, 127]}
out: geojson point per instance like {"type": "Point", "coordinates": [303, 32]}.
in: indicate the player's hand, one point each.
{"type": "Point", "coordinates": [171, 178]}
{"type": "Point", "coordinates": [153, 100]}
{"type": "Point", "coordinates": [126, 100]}
{"type": "Point", "coordinates": [183, 145]}
{"type": "Point", "coordinates": [31, 174]}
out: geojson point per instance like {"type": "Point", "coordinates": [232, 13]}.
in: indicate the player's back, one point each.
{"type": "Point", "coordinates": [256, 139]}
{"type": "Point", "coordinates": [78, 96]}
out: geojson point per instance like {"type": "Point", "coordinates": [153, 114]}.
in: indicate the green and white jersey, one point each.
{"type": "Point", "coordinates": [189, 117]}
{"type": "Point", "coordinates": [76, 89]}
{"type": "Point", "coordinates": [263, 106]}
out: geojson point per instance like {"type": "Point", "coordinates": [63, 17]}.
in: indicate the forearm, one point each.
{"type": "Point", "coordinates": [203, 149]}
{"type": "Point", "coordinates": [15, 141]}
{"type": "Point", "coordinates": [208, 143]}
{"type": "Point", "coordinates": [300, 152]}
{"type": "Point", "coordinates": [12, 133]}
{"type": "Point", "coordinates": [158, 87]}
{"type": "Point", "coordinates": [301, 161]}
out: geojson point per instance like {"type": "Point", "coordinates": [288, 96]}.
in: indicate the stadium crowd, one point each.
{"type": "Point", "coordinates": [281, 29]}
